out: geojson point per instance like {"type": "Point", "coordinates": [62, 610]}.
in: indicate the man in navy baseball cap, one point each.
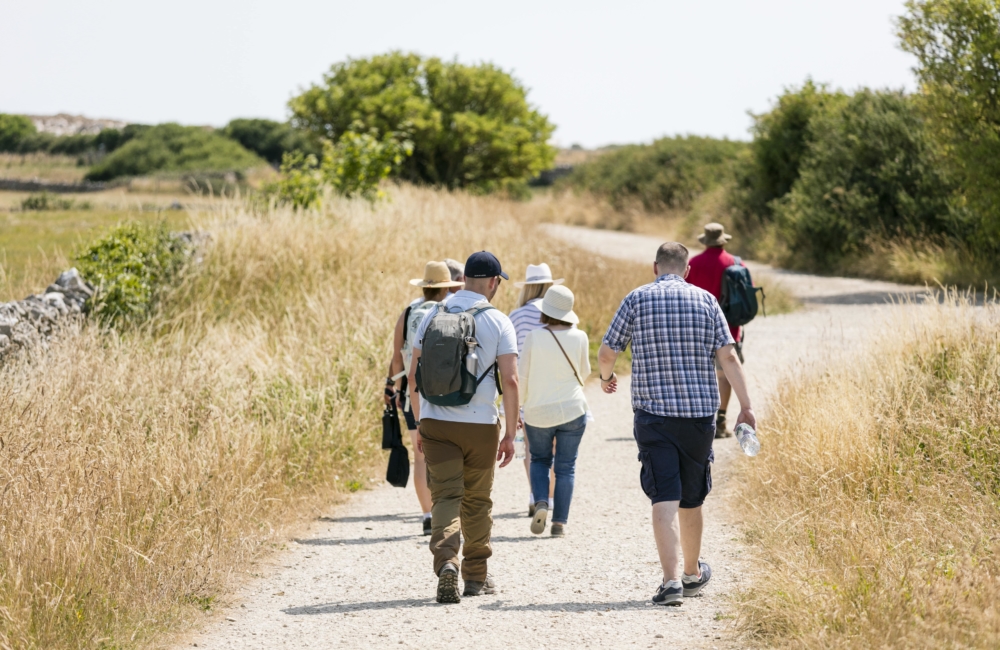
{"type": "Point", "coordinates": [461, 442]}
{"type": "Point", "coordinates": [484, 264]}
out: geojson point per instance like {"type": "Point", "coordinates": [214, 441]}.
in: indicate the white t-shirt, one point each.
{"type": "Point", "coordinates": [496, 336]}
{"type": "Point", "coordinates": [550, 392]}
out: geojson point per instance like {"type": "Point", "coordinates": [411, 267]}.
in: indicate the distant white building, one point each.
{"type": "Point", "coordinates": [64, 124]}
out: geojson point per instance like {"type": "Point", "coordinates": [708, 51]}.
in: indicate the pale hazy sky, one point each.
{"type": "Point", "coordinates": [604, 72]}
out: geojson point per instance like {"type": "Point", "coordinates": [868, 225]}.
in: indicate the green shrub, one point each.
{"type": "Point", "coordinates": [174, 148]}
{"type": "Point", "coordinates": [129, 266]}
{"type": "Point", "coordinates": [354, 167]}
{"type": "Point", "coordinates": [301, 182]}
{"type": "Point", "coordinates": [471, 126]}
{"type": "Point", "coordinates": [48, 201]}
{"type": "Point", "coordinates": [268, 139]}
{"type": "Point", "coordinates": [781, 139]}
{"type": "Point", "coordinates": [13, 130]}
{"type": "Point", "coordinates": [871, 171]}
{"type": "Point", "coordinates": [669, 173]}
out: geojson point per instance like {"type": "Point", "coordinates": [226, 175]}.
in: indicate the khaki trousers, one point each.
{"type": "Point", "coordinates": [461, 458]}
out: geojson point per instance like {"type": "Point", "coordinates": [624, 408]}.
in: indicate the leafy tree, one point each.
{"type": "Point", "coordinates": [670, 172]}
{"type": "Point", "coordinates": [957, 45]}
{"type": "Point", "coordinates": [471, 126]}
{"type": "Point", "coordinates": [782, 138]}
{"type": "Point", "coordinates": [14, 129]}
{"type": "Point", "coordinates": [268, 139]}
{"type": "Point", "coordinates": [871, 169]}
{"type": "Point", "coordinates": [174, 148]}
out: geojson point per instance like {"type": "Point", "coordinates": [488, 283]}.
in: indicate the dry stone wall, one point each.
{"type": "Point", "coordinates": [27, 323]}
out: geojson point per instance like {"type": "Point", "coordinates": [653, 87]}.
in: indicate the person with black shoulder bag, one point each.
{"type": "Point", "coordinates": [554, 364]}
{"type": "Point", "coordinates": [437, 283]}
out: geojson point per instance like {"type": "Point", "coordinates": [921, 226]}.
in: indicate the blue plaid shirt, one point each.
{"type": "Point", "coordinates": [675, 329]}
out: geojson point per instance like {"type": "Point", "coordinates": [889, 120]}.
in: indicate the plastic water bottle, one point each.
{"type": "Point", "coordinates": [519, 445]}
{"type": "Point", "coordinates": [748, 439]}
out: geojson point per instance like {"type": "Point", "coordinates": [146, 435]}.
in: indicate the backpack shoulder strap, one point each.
{"type": "Point", "coordinates": [737, 261]}
{"type": "Point", "coordinates": [406, 322]}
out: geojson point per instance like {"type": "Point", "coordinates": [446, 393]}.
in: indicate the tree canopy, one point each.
{"type": "Point", "coordinates": [471, 126]}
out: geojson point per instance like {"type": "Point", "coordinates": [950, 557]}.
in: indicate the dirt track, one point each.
{"type": "Point", "coordinates": [361, 577]}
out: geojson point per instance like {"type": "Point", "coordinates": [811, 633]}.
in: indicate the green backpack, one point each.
{"type": "Point", "coordinates": [443, 375]}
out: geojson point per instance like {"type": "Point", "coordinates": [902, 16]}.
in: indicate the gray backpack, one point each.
{"type": "Point", "coordinates": [443, 374]}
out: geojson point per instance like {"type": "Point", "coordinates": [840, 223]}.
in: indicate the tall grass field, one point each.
{"type": "Point", "coordinates": [142, 472]}
{"type": "Point", "coordinates": [874, 518]}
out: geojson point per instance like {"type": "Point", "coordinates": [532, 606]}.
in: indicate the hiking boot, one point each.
{"type": "Point", "coordinates": [669, 594]}
{"type": "Point", "coordinates": [477, 588]}
{"type": "Point", "coordinates": [721, 431]}
{"type": "Point", "coordinates": [427, 526]}
{"type": "Point", "coordinates": [448, 585]}
{"type": "Point", "coordinates": [558, 530]}
{"type": "Point", "coordinates": [538, 520]}
{"type": "Point", "coordinates": [693, 584]}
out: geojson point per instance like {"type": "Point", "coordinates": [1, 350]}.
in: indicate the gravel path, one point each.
{"type": "Point", "coordinates": [362, 577]}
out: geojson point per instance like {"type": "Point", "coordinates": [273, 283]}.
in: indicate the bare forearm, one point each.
{"type": "Point", "coordinates": [734, 373]}
{"type": "Point", "coordinates": [606, 358]}
{"type": "Point", "coordinates": [511, 404]}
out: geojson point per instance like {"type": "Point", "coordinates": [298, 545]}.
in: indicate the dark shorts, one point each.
{"type": "Point", "coordinates": [676, 456]}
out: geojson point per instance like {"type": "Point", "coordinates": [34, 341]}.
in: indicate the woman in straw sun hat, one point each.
{"type": "Point", "coordinates": [526, 317]}
{"type": "Point", "coordinates": [436, 284]}
{"type": "Point", "coordinates": [552, 368]}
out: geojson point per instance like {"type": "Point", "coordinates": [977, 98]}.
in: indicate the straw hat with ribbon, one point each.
{"type": "Point", "coordinates": [558, 304]}
{"type": "Point", "coordinates": [436, 276]}
{"type": "Point", "coordinates": [540, 274]}
{"type": "Point", "coordinates": [715, 235]}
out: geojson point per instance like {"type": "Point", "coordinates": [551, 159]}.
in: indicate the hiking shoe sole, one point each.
{"type": "Point", "coordinates": [448, 588]}
{"type": "Point", "coordinates": [538, 521]}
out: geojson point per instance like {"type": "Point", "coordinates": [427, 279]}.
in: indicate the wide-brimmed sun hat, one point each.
{"type": "Point", "coordinates": [715, 235]}
{"type": "Point", "coordinates": [539, 274]}
{"type": "Point", "coordinates": [436, 276]}
{"type": "Point", "coordinates": [558, 304]}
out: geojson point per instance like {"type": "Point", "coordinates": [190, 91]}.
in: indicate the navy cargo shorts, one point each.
{"type": "Point", "coordinates": [676, 456]}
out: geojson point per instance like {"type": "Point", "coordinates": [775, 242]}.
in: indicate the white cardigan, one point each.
{"type": "Point", "coordinates": [550, 393]}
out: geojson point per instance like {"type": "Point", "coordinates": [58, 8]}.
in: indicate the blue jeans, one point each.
{"type": "Point", "coordinates": [567, 437]}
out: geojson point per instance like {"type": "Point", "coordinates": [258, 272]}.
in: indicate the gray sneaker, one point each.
{"type": "Point", "coordinates": [477, 588]}
{"type": "Point", "coordinates": [448, 584]}
{"type": "Point", "coordinates": [558, 530]}
{"type": "Point", "coordinates": [694, 584]}
{"type": "Point", "coordinates": [541, 514]}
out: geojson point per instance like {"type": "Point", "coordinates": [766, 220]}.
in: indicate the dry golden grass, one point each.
{"type": "Point", "coordinates": [140, 475]}
{"type": "Point", "coordinates": [872, 509]}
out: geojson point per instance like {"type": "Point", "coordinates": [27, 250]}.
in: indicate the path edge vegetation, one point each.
{"type": "Point", "coordinates": [251, 380]}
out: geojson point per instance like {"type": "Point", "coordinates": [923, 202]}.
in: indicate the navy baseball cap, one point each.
{"type": "Point", "coordinates": [484, 265]}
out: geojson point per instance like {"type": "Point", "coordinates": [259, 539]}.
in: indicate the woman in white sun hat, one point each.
{"type": "Point", "coordinates": [526, 317]}
{"type": "Point", "coordinates": [437, 283]}
{"type": "Point", "coordinates": [553, 366]}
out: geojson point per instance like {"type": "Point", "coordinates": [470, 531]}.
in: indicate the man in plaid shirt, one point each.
{"type": "Point", "coordinates": [677, 331]}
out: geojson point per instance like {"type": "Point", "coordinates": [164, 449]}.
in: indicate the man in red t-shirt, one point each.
{"type": "Point", "coordinates": [706, 273]}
